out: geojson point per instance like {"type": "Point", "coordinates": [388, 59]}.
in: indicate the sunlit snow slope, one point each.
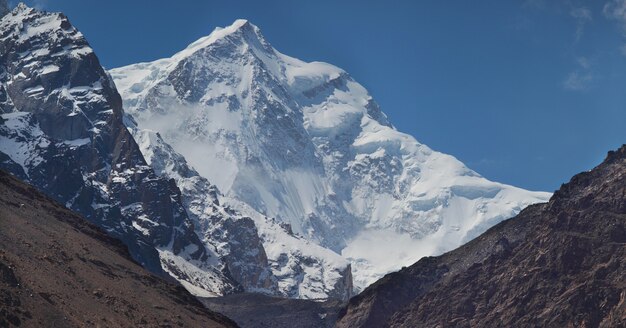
{"type": "Point", "coordinates": [305, 144]}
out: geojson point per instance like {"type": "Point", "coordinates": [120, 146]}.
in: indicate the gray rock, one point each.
{"type": "Point", "coordinates": [64, 133]}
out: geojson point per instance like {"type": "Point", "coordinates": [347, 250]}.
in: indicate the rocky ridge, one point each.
{"type": "Point", "coordinates": [557, 264]}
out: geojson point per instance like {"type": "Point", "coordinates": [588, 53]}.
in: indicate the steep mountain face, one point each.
{"type": "Point", "coordinates": [57, 270]}
{"type": "Point", "coordinates": [306, 145]}
{"type": "Point", "coordinates": [62, 130]}
{"type": "Point", "coordinates": [261, 254]}
{"type": "Point", "coordinates": [559, 264]}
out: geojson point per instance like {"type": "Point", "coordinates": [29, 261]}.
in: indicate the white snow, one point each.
{"type": "Point", "coordinates": [301, 268]}
{"type": "Point", "coordinates": [37, 89]}
{"type": "Point", "coordinates": [77, 142]}
{"type": "Point", "coordinates": [22, 141]}
{"type": "Point", "coordinates": [49, 69]}
{"type": "Point", "coordinates": [305, 144]}
{"type": "Point", "coordinates": [320, 276]}
{"type": "Point", "coordinates": [200, 280]}
{"type": "Point", "coordinates": [141, 229]}
{"type": "Point", "coordinates": [373, 253]}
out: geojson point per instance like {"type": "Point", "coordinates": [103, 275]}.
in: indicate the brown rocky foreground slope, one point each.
{"type": "Point", "coordinates": [558, 264]}
{"type": "Point", "coordinates": [262, 311]}
{"type": "Point", "coordinates": [57, 270]}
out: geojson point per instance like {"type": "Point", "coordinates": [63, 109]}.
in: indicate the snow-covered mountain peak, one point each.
{"type": "Point", "coordinates": [23, 7]}
{"type": "Point", "coordinates": [240, 31]}
{"type": "Point", "coordinates": [307, 145]}
{"type": "Point", "coordinates": [22, 11]}
{"type": "Point", "coordinates": [29, 22]}
{"type": "Point", "coordinates": [63, 129]}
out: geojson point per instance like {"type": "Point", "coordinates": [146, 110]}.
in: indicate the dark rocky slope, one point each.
{"type": "Point", "coordinates": [58, 270]}
{"type": "Point", "coordinates": [262, 311]}
{"type": "Point", "coordinates": [559, 264]}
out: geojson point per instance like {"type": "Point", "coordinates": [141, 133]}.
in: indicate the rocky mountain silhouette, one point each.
{"type": "Point", "coordinates": [557, 264]}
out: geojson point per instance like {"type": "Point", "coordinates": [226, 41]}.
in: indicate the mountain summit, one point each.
{"type": "Point", "coordinates": [308, 147]}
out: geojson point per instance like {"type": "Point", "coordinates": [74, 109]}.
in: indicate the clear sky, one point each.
{"type": "Point", "coordinates": [524, 92]}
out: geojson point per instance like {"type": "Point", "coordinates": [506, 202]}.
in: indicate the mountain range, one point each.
{"type": "Point", "coordinates": [307, 146]}
{"type": "Point", "coordinates": [230, 166]}
{"type": "Point", "coordinates": [272, 190]}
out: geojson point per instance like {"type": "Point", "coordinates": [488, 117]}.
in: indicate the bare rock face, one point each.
{"type": "Point", "coordinates": [62, 130]}
{"type": "Point", "coordinates": [343, 287]}
{"type": "Point", "coordinates": [559, 264]}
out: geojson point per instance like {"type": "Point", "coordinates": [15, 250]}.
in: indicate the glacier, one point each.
{"type": "Point", "coordinates": [305, 147]}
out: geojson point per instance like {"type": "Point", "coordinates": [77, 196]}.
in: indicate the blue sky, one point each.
{"type": "Point", "coordinates": [524, 92]}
